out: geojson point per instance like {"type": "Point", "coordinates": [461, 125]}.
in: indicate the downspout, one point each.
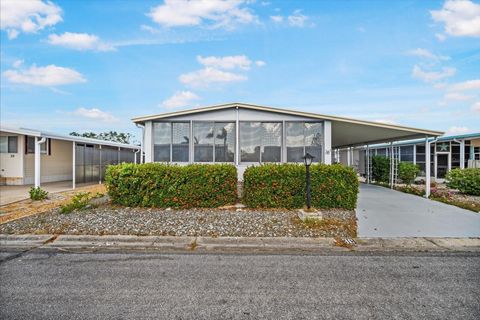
{"type": "Point", "coordinates": [135, 155]}
{"type": "Point", "coordinates": [141, 126]}
{"type": "Point", "coordinates": [37, 165]}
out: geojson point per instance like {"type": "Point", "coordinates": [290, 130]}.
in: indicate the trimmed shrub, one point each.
{"type": "Point", "coordinates": [408, 171]}
{"type": "Point", "coordinates": [465, 180]}
{"type": "Point", "coordinates": [283, 186]}
{"type": "Point", "coordinates": [172, 186]}
{"type": "Point", "coordinates": [380, 169]}
{"type": "Point", "coordinates": [37, 193]}
{"type": "Point", "coordinates": [79, 202]}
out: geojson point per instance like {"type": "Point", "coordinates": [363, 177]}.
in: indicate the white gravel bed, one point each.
{"type": "Point", "coordinates": [191, 222]}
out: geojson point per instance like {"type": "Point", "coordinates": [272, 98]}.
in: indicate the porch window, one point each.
{"type": "Point", "coordinates": [171, 141]}
{"type": "Point", "coordinates": [214, 141]}
{"type": "Point", "coordinates": [261, 141]}
{"type": "Point", "coordinates": [406, 153]}
{"type": "Point", "coordinates": [303, 137]}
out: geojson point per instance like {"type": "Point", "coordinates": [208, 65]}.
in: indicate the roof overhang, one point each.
{"type": "Point", "coordinates": [41, 134]}
{"type": "Point", "coordinates": [345, 131]}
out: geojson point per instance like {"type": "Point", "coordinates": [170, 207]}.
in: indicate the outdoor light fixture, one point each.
{"type": "Point", "coordinates": [307, 159]}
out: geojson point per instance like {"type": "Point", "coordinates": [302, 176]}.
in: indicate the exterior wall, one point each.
{"type": "Point", "coordinates": [11, 164]}
{"type": "Point", "coordinates": [54, 167]}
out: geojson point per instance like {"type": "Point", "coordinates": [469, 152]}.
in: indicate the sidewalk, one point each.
{"type": "Point", "coordinates": [82, 243]}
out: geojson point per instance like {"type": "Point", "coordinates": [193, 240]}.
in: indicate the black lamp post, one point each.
{"type": "Point", "coordinates": [307, 159]}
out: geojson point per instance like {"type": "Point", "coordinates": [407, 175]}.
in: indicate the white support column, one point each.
{"type": "Point", "coordinates": [414, 154]}
{"type": "Point", "coordinates": [427, 168]}
{"type": "Point", "coordinates": [74, 155]}
{"type": "Point", "coordinates": [462, 154]}
{"type": "Point", "coordinates": [367, 154]}
{"type": "Point", "coordinates": [327, 149]}
{"type": "Point", "coordinates": [191, 144]}
{"type": "Point", "coordinates": [148, 145]}
{"type": "Point", "coordinates": [392, 161]}
{"type": "Point", "coordinates": [237, 136]}
{"type": "Point", "coordinates": [349, 156]}
{"type": "Point", "coordinates": [38, 142]}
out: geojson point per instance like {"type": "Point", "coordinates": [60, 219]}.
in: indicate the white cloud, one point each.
{"type": "Point", "coordinates": [461, 18]}
{"type": "Point", "coordinates": [476, 107]}
{"type": "Point", "coordinates": [95, 113]}
{"type": "Point", "coordinates": [457, 130]}
{"type": "Point", "coordinates": [466, 85]}
{"type": "Point", "coordinates": [28, 16]}
{"type": "Point", "coordinates": [297, 19]}
{"type": "Point", "coordinates": [217, 13]}
{"type": "Point", "coordinates": [50, 75]}
{"type": "Point", "coordinates": [456, 96]}
{"type": "Point", "coordinates": [180, 99]}
{"type": "Point", "coordinates": [440, 37]}
{"type": "Point", "coordinates": [208, 75]}
{"type": "Point", "coordinates": [228, 62]}
{"type": "Point", "coordinates": [424, 53]}
{"type": "Point", "coordinates": [79, 41]}
{"type": "Point", "coordinates": [17, 63]}
{"type": "Point", "coordinates": [277, 19]}
{"type": "Point", "coordinates": [432, 76]}
{"type": "Point", "coordinates": [260, 63]}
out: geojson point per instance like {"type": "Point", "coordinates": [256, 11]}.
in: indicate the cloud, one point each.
{"type": "Point", "coordinates": [297, 19]}
{"type": "Point", "coordinates": [466, 85]}
{"type": "Point", "coordinates": [456, 96]}
{"type": "Point", "coordinates": [277, 19]}
{"type": "Point", "coordinates": [95, 113]}
{"type": "Point", "coordinates": [180, 99]}
{"type": "Point", "coordinates": [460, 18]}
{"type": "Point", "coordinates": [28, 16]}
{"type": "Point", "coordinates": [228, 62]}
{"type": "Point", "coordinates": [457, 130]}
{"type": "Point", "coordinates": [79, 41]}
{"type": "Point", "coordinates": [424, 53]}
{"type": "Point", "coordinates": [215, 13]}
{"type": "Point", "coordinates": [476, 107]}
{"type": "Point", "coordinates": [432, 76]}
{"type": "Point", "coordinates": [17, 63]}
{"type": "Point", "coordinates": [260, 63]}
{"type": "Point", "coordinates": [208, 75]}
{"type": "Point", "coordinates": [50, 75]}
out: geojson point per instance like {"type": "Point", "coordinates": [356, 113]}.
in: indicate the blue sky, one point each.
{"type": "Point", "coordinates": [93, 65]}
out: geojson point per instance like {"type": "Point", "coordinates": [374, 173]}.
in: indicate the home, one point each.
{"type": "Point", "coordinates": [33, 157]}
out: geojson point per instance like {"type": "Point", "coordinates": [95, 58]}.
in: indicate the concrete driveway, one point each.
{"type": "Point", "coordinates": [382, 212]}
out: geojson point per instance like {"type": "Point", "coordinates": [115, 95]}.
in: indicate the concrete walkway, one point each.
{"type": "Point", "coordinates": [382, 212]}
{"type": "Point", "coordinates": [10, 194]}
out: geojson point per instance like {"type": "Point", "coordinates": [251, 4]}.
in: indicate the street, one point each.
{"type": "Point", "coordinates": [49, 285]}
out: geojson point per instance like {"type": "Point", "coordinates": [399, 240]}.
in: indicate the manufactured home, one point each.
{"type": "Point", "coordinates": [246, 134]}
{"type": "Point", "coordinates": [34, 157]}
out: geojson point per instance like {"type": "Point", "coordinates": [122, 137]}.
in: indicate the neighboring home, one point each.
{"type": "Point", "coordinates": [446, 153]}
{"type": "Point", "coordinates": [33, 157]}
{"type": "Point", "coordinates": [246, 134]}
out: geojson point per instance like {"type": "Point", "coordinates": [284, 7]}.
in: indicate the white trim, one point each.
{"type": "Point", "coordinates": [327, 143]}
{"type": "Point", "coordinates": [74, 159]}
{"type": "Point", "coordinates": [148, 145]}
{"type": "Point", "coordinates": [37, 163]}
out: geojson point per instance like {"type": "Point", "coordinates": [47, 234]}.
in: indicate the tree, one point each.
{"type": "Point", "coordinates": [107, 136]}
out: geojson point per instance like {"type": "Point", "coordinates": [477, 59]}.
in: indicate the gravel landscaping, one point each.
{"type": "Point", "coordinates": [193, 222]}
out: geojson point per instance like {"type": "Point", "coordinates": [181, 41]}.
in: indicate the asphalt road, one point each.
{"type": "Point", "coordinates": [229, 286]}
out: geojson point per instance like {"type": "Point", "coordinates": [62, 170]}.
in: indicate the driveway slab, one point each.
{"type": "Point", "coordinates": [383, 212]}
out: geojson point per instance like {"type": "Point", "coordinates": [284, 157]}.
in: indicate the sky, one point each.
{"type": "Point", "coordinates": [93, 65]}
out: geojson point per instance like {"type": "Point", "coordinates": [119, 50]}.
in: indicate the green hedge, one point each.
{"type": "Point", "coordinates": [465, 180]}
{"type": "Point", "coordinates": [164, 186]}
{"type": "Point", "coordinates": [283, 186]}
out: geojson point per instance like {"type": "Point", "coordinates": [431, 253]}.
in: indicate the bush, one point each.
{"type": "Point", "coordinates": [408, 171]}
{"type": "Point", "coordinates": [380, 169]}
{"type": "Point", "coordinates": [79, 201]}
{"type": "Point", "coordinates": [283, 186]}
{"type": "Point", "coordinates": [465, 180]}
{"type": "Point", "coordinates": [164, 185]}
{"type": "Point", "coordinates": [38, 193]}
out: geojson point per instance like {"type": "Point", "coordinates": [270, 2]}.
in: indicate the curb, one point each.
{"type": "Point", "coordinates": [82, 243]}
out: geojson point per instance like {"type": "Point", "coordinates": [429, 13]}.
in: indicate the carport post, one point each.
{"type": "Point", "coordinates": [37, 165]}
{"type": "Point", "coordinates": [427, 168]}
{"type": "Point", "coordinates": [392, 162]}
{"type": "Point", "coordinates": [73, 164]}
{"type": "Point", "coordinates": [462, 154]}
{"type": "Point", "coordinates": [367, 153]}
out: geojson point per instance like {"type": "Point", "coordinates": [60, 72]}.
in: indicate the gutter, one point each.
{"type": "Point", "coordinates": [141, 126]}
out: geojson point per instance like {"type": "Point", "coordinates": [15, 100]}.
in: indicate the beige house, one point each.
{"type": "Point", "coordinates": [33, 157]}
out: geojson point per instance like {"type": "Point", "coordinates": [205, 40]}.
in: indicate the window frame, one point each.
{"type": "Point", "coordinates": [43, 150]}
{"type": "Point", "coordinates": [322, 151]}
{"type": "Point", "coordinates": [171, 144]}
{"type": "Point", "coordinates": [214, 122]}
{"type": "Point", "coordinates": [282, 143]}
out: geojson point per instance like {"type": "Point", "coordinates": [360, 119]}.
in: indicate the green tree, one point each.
{"type": "Point", "coordinates": [107, 136]}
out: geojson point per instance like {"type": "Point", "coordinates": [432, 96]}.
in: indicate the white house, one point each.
{"type": "Point", "coordinates": [246, 134]}
{"type": "Point", "coordinates": [33, 157]}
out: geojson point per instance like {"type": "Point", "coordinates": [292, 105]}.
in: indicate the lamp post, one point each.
{"type": "Point", "coordinates": [307, 159]}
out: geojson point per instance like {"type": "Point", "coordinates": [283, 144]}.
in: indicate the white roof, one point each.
{"type": "Point", "coordinates": [44, 134]}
